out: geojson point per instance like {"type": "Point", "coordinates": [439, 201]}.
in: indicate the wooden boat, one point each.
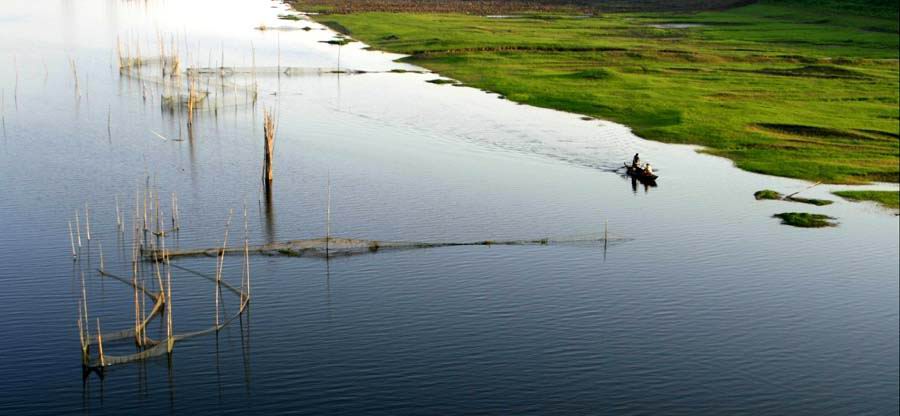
{"type": "Point", "coordinates": [639, 174]}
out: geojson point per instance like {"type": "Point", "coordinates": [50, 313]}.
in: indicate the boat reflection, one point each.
{"type": "Point", "coordinates": [646, 183]}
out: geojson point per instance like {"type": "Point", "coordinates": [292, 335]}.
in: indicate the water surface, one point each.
{"type": "Point", "coordinates": [710, 307]}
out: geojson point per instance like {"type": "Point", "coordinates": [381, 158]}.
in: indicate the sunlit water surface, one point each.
{"type": "Point", "coordinates": [710, 307]}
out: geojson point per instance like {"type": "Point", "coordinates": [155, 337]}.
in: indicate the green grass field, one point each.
{"type": "Point", "coordinates": [889, 199]}
{"type": "Point", "coordinates": [793, 89]}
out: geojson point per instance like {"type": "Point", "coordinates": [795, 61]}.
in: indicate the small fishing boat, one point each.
{"type": "Point", "coordinates": [639, 174]}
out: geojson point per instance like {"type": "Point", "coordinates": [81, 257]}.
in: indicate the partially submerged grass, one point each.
{"type": "Point", "coordinates": [339, 41]}
{"type": "Point", "coordinates": [774, 195]}
{"type": "Point", "coordinates": [441, 81]}
{"type": "Point", "coordinates": [888, 199]}
{"type": "Point", "coordinates": [806, 220]}
{"type": "Point", "coordinates": [405, 71]}
{"type": "Point", "coordinates": [767, 194]}
{"type": "Point", "coordinates": [811, 201]}
{"type": "Point", "coordinates": [806, 90]}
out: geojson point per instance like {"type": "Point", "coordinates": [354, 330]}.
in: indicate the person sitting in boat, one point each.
{"type": "Point", "coordinates": [648, 170]}
{"type": "Point", "coordinates": [635, 163]}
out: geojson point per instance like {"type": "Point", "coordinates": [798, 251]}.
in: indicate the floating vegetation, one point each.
{"type": "Point", "coordinates": [338, 41]}
{"type": "Point", "coordinates": [442, 81]}
{"type": "Point", "coordinates": [806, 220]}
{"type": "Point", "coordinates": [774, 195]}
{"type": "Point", "coordinates": [265, 28]}
{"type": "Point", "coordinates": [811, 201]}
{"type": "Point", "coordinates": [406, 71]}
{"type": "Point", "coordinates": [292, 17]}
{"type": "Point", "coordinates": [767, 194]}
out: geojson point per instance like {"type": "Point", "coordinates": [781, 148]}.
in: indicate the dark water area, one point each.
{"type": "Point", "coordinates": [707, 306]}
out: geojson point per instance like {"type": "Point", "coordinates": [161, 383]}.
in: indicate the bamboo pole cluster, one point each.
{"type": "Point", "coordinates": [183, 88]}
{"type": "Point", "coordinates": [150, 266]}
{"type": "Point", "coordinates": [269, 129]}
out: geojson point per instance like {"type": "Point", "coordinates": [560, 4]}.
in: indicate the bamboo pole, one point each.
{"type": "Point", "coordinates": [162, 288]}
{"type": "Point", "coordinates": [78, 228]}
{"type": "Point", "coordinates": [85, 351]}
{"type": "Point", "coordinates": [269, 148]}
{"type": "Point", "coordinates": [191, 98]}
{"type": "Point", "coordinates": [72, 241]}
{"type": "Point", "coordinates": [100, 344]}
{"type": "Point", "coordinates": [101, 257]}
{"type": "Point", "coordinates": [137, 315]}
{"type": "Point", "coordinates": [170, 340]}
{"type": "Point", "coordinates": [328, 217]}
{"type": "Point", "coordinates": [145, 211]}
{"type": "Point", "coordinates": [177, 214]}
{"type": "Point", "coordinates": [118, 215]}
{"type": "Point", "coordinates": [135, 239]}
{"type": "Point", "coordinates": [85, 345]}
{"type": "Point", "coordinates": [144, 316]}
{"type": "Point", "coordinates": [174, 223]}
{"type": "Point", "coordinates": [255, 84]}
{"type": "Point", "coordinates": [220, 263]}
{"type": "Point", "coordinates": [159, 225]}
{"type": "Point", "coordinates": [87, 221]}
{"type": "Point", "coordinates": [246, 272]}
{"type": "Point", "coordinates": [803, 190]}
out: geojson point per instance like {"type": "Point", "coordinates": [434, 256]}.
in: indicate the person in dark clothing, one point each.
{"type": "Point", "coordinates": [635, 163]}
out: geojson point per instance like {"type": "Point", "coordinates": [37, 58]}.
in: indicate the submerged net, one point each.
{"type": "Point", "coordinates": [273, 70]}
{"type": "Point", "coordinates": [336, 246]}
{"type": "Point", "coordinates": [153, 348]}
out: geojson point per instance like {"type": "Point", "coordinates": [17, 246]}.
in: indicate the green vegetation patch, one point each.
{"type": "Point", "coordinates": [806, 220]}
{"type": "Point", "coordinates": [811, 201]}
{"type": "Point", "coordinates": [807, 89]}
{"type": "Point", "coordinates": [767, 194]}
{"type": "Point", "coordinates": [339, 41]}
{"type": "Point", "coordinates": [888, 199]}
{"type": "Point", "coordinates": [774, 195]}
{"type": "Point", "coordinates": [442, 81]}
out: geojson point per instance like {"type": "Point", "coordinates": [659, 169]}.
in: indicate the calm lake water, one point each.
{"type": "Point", "coordinates": [709, 307]}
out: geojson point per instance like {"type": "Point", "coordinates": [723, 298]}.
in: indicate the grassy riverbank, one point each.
{"type": "Point", "coordinates": [783, 88]}
{"type": "Point", "coordinates": [888, 199]}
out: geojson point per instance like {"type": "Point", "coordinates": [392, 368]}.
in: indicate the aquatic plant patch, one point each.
{"type": "Point", "coordinates": [806, 220]}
